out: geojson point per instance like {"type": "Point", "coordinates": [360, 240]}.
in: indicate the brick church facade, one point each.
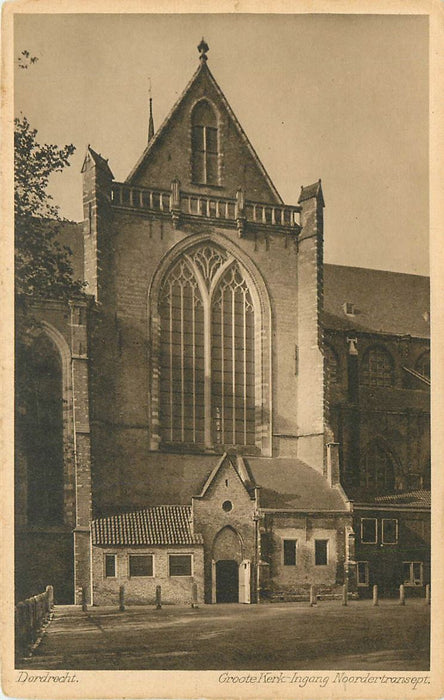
{"type": "Point", "coordinates": [222, 409]}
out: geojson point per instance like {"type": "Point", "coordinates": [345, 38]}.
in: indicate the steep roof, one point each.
{"type": "Point", "coordinates": [99, 160]}
{"type": "Point", "coordinates": [420, 498]}
{"type": "Point", "coordinates": [287, 483]}
{"type": "Point", "coordinates": [385, 302]}
{"type": "Point", "coordinates": [160, 525]}
{"type": "Point", "coordinates": [241, 152]}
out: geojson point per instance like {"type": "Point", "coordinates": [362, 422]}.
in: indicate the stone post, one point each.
{"type": "Point", "coordinates": [401, 594]}
{"type": "Point", "coordinates": [84, 606]}
{"type": "Point", "coordinates": [427, 594]}
{"type": "Point", "coordinates": [313, 599]}
{"type": "Point", "coordinates": [375, 595]}
{"type": "Point", "coordinates": [345, 593]}
{"type": "Point", "coordinates": [194, 596]}
{"type": "Point", "coordinates": [122, 598]}
{"type": "Point", "coordinates": [158, 597]}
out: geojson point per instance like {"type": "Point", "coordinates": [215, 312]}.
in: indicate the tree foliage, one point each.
{"type": "Point", "coordinates": [43, 266]}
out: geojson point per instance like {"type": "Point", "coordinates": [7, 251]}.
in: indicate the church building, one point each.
{"type": "Point", "coordinates": [222, 412]}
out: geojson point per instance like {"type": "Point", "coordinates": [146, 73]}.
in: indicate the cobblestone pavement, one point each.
{"type": "Point", "coordinates": [267, 636]}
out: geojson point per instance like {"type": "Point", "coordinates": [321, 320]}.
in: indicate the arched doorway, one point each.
{"type": "Point", "coordinates": [227, 581]}
{"type": "Point", "coordinates": [231, 580]}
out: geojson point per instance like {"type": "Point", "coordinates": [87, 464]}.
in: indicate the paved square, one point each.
{"type": "Point", "coordinates": [268, 636]}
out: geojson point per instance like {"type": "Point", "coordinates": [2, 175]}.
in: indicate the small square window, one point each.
{"type": "Point", "coordinates": [369, 530]}
{"type": "Point", "coordinates": [180, 564]}
{"type": "Point", "coordinates": [389, 531]}
{"type": "Point", "coordinates": [140, 564]}
{"type": "Point", "coordinates": [321, 553]}
{"type": "Point", "coordinates": [110, 565]}
{"type": "Point", "coordinates": [290, 552]}
{"type": "Point", "coordinates": [362, 573]}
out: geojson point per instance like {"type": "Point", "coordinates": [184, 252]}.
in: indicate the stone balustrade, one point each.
{"type": "Point", "coordinates": [187, 204]}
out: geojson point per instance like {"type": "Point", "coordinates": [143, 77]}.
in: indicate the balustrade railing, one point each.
{"type": "Point", "coordinates": [203, 205]}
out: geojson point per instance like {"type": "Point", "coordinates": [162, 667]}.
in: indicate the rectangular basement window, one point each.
{"type": "Point", "coordinates": [110, 565]}
{"type": "Point", "coordinates": [180, 564]}
{"type": "Point", "coordinates": [141, 565]}
{"type": "Point", "coordinates": [389, 531]}
{"type": "Point", "coordinates": [362, 573]}
{"type": "Point", "coordinates": [369, 533]}
{"type": "Point", "coordinates": [290, 552]}
{"type": "Point", "coordinates": [321, 554]}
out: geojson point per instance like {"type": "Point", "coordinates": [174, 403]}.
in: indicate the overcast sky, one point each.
{"type": "Point", "coordinates": [338, 97]}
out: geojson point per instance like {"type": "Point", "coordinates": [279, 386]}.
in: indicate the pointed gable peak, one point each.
{"type": "Point", "coordinates": [235, 159]}
{"type": "Point", "coordinates": [236, 464]}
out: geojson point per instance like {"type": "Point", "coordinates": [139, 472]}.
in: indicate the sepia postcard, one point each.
{"type": "Point", "coordinates": [222, 358]}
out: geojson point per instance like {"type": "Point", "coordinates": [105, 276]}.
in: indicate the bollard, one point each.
{"type": "Point", "coordinates": [122, 598]}
{"type": "Point", "coordinates": [84, 608]}
{"type": "Point", "coordinates": [50, 594]}
{"type": "Point", "coordinates": [313, 599]}
{"type": "Point", "coordinates": [194, 596]}
{"type": "Point", "coordinates": [401, 594]}
{"type": "Point", "coordinates": [375, 595]}
{"type": "Point", "coordinates": [345, 594]}
{"type": "Point", "coordinates": [158, 597]}
{"type": "Point", "coordinates": [427, 594]}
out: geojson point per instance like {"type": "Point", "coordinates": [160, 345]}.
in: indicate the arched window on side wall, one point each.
{"type": "Point", "coordinates": [423, 364]}
{"type": "Point", "coordinates": [41, 433]}
{"type": "Point", "coordinates": [377, 368]}
{"type": "Point", "coordinates": [331, 364]}
{"type": "Point", "coordinates": [204, 145]}
{"type": "Point", "coordinates": [377, 469]}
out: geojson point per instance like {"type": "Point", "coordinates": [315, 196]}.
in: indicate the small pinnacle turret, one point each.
{"type": "Point", "coordinates": [151, 120]}
{"type": "Point", "coordinates": [203, 49]}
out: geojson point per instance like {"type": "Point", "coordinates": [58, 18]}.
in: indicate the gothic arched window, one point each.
{"type": "Point", "coordinates": [42, 433]}
{"type": "Point", "coordinates": [331, 363]}
{"type": "Point", "coordinates": [207, 367]}
{"type": "Point", "coordinates": [204, 145]}
{"type": "Point", "coordinates": [377, 473]}
{"type": "Point", "coordinates": [423, 364]}
{"type": "Point", "coordinates": [377, 368]}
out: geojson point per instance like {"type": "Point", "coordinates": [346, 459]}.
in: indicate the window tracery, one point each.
{"type": "Point", "coordinates": [207, 351]}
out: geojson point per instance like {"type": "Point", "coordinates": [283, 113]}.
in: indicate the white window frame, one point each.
{"type": "Point", "coordinates": [141, 554]}
{"type": "Point", "coordinates": [294, 540]}
{"type": "Point", "coordinates": [367, 572]}
{"type": "Point", "coordinates": [395, 520]}
{"type": "Point", "coordinates": [375, 541]}
{"type": "Point", "coordinates": [412, 583]}
{"type": "Point", "coordinates": [109, 554]}
{"type": "Point", "coordinates": [181, 554]}
{"type": "Point", "coordinates": [327, 550]}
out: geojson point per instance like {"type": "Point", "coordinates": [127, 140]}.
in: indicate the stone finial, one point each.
{"type": "Point", "coordinates": [203, 49]}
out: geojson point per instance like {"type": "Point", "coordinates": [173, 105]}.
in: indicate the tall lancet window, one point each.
{"type": "Point", "coordinates": [207, 351]}
{"type": "Point", "coordinates": [204, 142]}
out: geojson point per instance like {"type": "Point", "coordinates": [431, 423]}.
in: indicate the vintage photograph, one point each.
{"type": "Point", "coordinates": [222, 348]}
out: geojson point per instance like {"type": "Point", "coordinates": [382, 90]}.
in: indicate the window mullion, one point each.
{"type": "Point", "coordinates": [171, 363]}
{"type": "Point", "coordinates": [207, 370]}
{"type": "Point", "coordinates": [182, 363]}
{"type": "Point", "coordinates": [222, 355]}
{"type": "Point", "coordinates": [233, 355]}
{"type": "Point", "coordinates": [193, 323]}
{"type": "Point", "coordinates": [245, 364]}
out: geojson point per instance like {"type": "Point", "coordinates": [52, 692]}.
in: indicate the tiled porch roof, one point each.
{"type": "Point", "coordinates": [159, 525]}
